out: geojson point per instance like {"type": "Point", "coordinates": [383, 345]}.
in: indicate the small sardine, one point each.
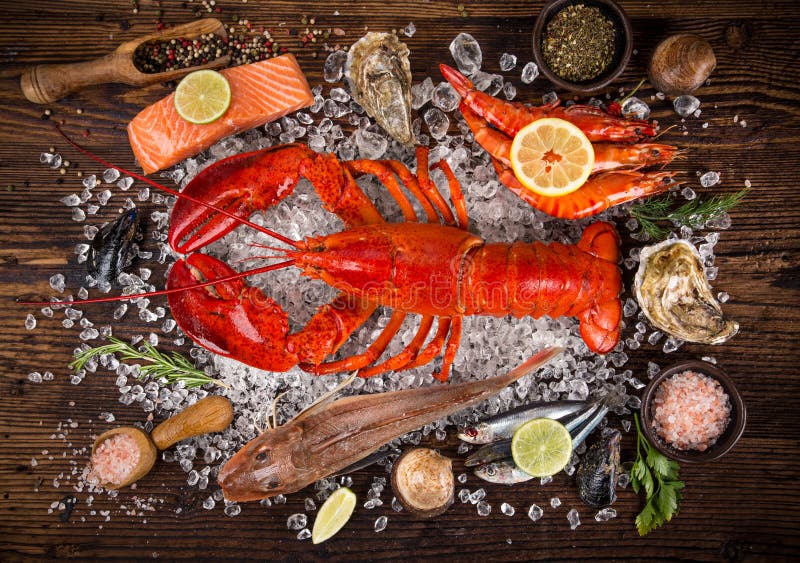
{"type": "Point", "coordinates": [576, 424]}
{"type": "Point", "coordinates": [504, 472]}
{"type": "Point", "coordinates": [503, 425]}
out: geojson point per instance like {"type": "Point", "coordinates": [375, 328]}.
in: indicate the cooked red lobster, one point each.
{"type": "Point", "coordinates": [439, 271]}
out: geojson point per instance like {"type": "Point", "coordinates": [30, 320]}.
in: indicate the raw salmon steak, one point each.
{"type": "Point", "coordinates": [260, 92]}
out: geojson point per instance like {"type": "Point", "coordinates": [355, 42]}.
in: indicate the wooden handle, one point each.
{"type": "Point", "coordinates": [44, 84]}
{"type": "Point", "coordinates": [212, 414]}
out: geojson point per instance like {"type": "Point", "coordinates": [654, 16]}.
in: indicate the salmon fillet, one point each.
{"type": "Point", "coordinates": [260, 92]}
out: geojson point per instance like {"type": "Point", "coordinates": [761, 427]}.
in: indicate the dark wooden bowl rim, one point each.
{"type": "Point", "coordinates": [725, 442]}
{"type": "Point", "coordinates": [621, 56]}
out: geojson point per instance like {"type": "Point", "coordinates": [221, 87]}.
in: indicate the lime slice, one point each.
{"type": "Point", "coordinates": [202, 96]}
{"type": "Point", "coordinates": [541, 447]}
{"type": "Point", "coordinates": [333, 515]}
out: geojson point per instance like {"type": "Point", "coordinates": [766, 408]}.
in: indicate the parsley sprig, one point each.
{"type": "Point", "coordinates": [658, 477]}
{"type": "Point", "coordinates": [172, 368]}
{"type": "Point", "coordinates": [695, 213]}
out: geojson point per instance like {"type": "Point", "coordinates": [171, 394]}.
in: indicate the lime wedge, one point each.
{"type": "Point", "coordinates": [202, 96]}
{"type": "Point", "coordinates": [541, 447]}
{"type": "Point", "coordinates": [333, 515]}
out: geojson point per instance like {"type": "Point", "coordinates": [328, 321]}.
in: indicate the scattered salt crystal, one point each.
{"type": "Point", "coordinates": [736, 118]}
{"type": "Point", "coordinates": [209, 503]}
{"type": "Point", "coordinates": [304, 534]}
{"type": "Point", "coordinates": [398, 507]}
{"type": "Point", "coordinates": [555, 502]}
{"type": "Point", "coordinates": [574, 519]}
{"type": "Point", "coordinates": [462, 478]}
{"type": "Point", "coordinates": [410, 29]}
{"type": "Point", "coordinates": [535, 512]}
{"type": "Point", "coordinates": [380, 523]}
{"type": "Point", "coordinates": [685, 105]}
{"type": "Point", "coordinates": [35, 377]}
{"type": "Point", "coordinates": [545, 480]}
{"type": "Point", "coordinates": [297, 521]}
{"type": "Point", "coordinates": [279, 499]}
{"type": "Point", "coordinates": [743, 123]}
{"type": "Point", "coordinates": [529, 73]}
{"type": "Point", "coordinates": [748, 184]}
{"type": "Point", "coordinates": [110, 175]}
{"type": "Point", "coordinates": [688, 193]}
{"type": "Point", "coordinates": [484, 508]}
{"type": "Point", "coordinates": [671, 344]}
{"type": "Point", "coordinates": [507, 509]}
{"type": "Point", "coordinates": [549, 98]}
{"type": "Point", "coordinates": [709, 179]}
{"type": "Point", "coordinates": [334, 66]}
{"type": "Point", "coordinates": [507, 62]}
{"type": "Point", "coordinates": [78, 214]}
{"type": "Point", "coordinates": [477, 496]}
{"type": "Point", "coordinates": [339, 95]}
{"type": "Point", "coordinates": [125, 183]}
{"type": "Point", "coordinates": [30, 322]}
{"type": "Point", "coordinates": [605, 514]}
{"type": "Point", "coordinates": [464, 495]}
{"type": "Point", "coordinates": [705, 125]}
{"type": "Point", "coordinates": [630, 307]}
{"type": "Point", "coordinates": [71, 200]}
{"type": "Point", "coordinates": [57, 282]}
{"type": "Point", "coordinates": [509, 91]}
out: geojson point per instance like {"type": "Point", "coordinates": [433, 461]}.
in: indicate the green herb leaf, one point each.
{"type": "Point", "coordinates": [658, 477]}
{"type": "Point", "coordinates": [695, 213]}
{"type": "Point", "coordinates": [173, 368]}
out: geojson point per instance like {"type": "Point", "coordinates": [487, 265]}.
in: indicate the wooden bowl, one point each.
{"type": "Point", "coordinates": [622, 52]}
{"type": "Point", "coordinates": [728, 438]}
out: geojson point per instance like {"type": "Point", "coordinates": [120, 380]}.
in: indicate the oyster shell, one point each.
{"type": "Point", "coordinates": [379, 75]}
{"type": "Point", "coordinates": [674, 293]}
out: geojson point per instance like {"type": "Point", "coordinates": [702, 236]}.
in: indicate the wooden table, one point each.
{"type": "Point", "coordinates": [744, 506]}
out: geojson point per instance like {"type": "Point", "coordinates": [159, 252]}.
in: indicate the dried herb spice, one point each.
{"type": "Point", "coordinates": [579, 43]}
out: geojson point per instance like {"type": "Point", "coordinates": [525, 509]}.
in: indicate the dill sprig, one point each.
{"type": "Point", "coordinates": [172, 368]}
{"type": "Point", "coordinates": [695, 213]}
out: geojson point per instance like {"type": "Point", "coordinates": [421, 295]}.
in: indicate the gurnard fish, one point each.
{"type": "Point", "coordinates": [331, 435]}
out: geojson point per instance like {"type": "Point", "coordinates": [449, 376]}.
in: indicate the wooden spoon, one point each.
{"type": "Point", "coordinates": [212, 414]}
{"type": "Point", "coordinates": [44, 84]}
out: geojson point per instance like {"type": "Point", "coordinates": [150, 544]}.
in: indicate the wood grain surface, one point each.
{"type": "Point", "coordinates": [742, 507]}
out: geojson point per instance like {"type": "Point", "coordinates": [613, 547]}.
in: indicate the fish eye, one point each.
{"type": "Point", "coordinates": [471, 432]}
{"type": "Point", "coordinates": [262, 456]}
{"type": "Point", "coordinates": [273, 484]}
{"type": "Point", "coordinates": [490, 470]}
{"type": "Point", "coordinates": [656, 152]}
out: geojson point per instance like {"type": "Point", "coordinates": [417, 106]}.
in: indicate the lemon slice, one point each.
{"type": "Point", "coordinates": [202, 96]}
{"type": "Point", "coordinates": [541, 447]}
{"type": "Point", "coordinates": [333, 514]}
{"type": "Point", "coordinates": [552, 157]}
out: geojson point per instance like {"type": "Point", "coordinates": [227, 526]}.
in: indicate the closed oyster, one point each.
{"type": "Point", "coordinates": [674, 293]}
{"type": "Point", "coordinates": [379, 75]}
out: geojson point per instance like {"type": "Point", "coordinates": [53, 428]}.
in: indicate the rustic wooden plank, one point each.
{"type": "Point", "coordinates": [744, 506]}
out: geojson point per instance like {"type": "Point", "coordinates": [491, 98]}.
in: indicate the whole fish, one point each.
{"type": "Point", "coordinates": [503, 470]}
{"type": "Point", "coordinates": [331, 435]}
{"type": "Point", "coordinates": [504, 425]}
{"type": "Point", "coordinates": [598, 471]}
{"type": "Point", "coordinates": [501, 449]}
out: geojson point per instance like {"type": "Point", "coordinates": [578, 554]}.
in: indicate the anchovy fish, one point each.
{"type": "Point", "coordinates": [504, 425]}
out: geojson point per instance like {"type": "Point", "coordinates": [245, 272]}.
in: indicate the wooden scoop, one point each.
{"type": "Point", "coordinates": [44, 84]}
{"type": "Point", "coordinates": [212, 414]}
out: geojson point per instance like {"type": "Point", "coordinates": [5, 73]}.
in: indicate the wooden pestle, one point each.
{"type": "Point", "coordinates": [212, 414]}
{"type": "Point", "coordinates": [47, 83]}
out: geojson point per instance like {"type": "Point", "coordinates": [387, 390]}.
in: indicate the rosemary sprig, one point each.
{"type": "Point", "coordinates": [695, 213]}
{"type": "Point", "coordinates": [172, 368]}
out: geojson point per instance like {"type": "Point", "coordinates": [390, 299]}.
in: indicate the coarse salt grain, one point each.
{"type": "Point", "coordinates": [114, 459]}
{"type": "Point", "coordinates": [690, 411]}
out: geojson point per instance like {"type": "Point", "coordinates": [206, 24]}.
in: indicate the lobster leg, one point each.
{"type": "Point", "coordinates": [434, 346]}
{"type": "Point", "coordinates": [429, 189]}
{"type": "Point", "coordinates": [387, 178]}
{"type": "Point", "coordinates": [398, 362]}
{"type": "Point", "coordinates": [453, 343]}
{"type": "Point", "coordinates": [455, 194]}
{"type": "Point", "coordinates": [372, 353]}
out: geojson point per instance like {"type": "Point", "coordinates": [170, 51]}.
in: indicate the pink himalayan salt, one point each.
{"type": "Point", "coordinates": [114, 459]}
{"type": "Point", "coordinates": [691, 411]}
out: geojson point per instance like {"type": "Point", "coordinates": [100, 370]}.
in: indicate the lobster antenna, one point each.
{"type": "Point", "coordinates": [198, 285]}
{"type": "Point", "coordinates": [178, 194]}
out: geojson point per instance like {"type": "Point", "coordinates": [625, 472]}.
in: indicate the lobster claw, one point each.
{"type": "Point", "coordinates": [240, 184]}
{"type": "Point", "coordinates": [231, 318]}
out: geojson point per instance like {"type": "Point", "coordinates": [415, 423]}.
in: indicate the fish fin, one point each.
{"type": "Point", "coordinates": [328, 397]}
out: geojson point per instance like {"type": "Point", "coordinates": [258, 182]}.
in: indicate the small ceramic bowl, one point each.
{"type": "Point", "coordinates": [622, 53]}
{"type": "Point", "coordinates": [728, 438]}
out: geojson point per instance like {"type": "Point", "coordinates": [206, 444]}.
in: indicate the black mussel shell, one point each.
{"type": "Point", "coordinates": [110, 249]}
{"type": "Point", "coordinates": [598, 471]}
